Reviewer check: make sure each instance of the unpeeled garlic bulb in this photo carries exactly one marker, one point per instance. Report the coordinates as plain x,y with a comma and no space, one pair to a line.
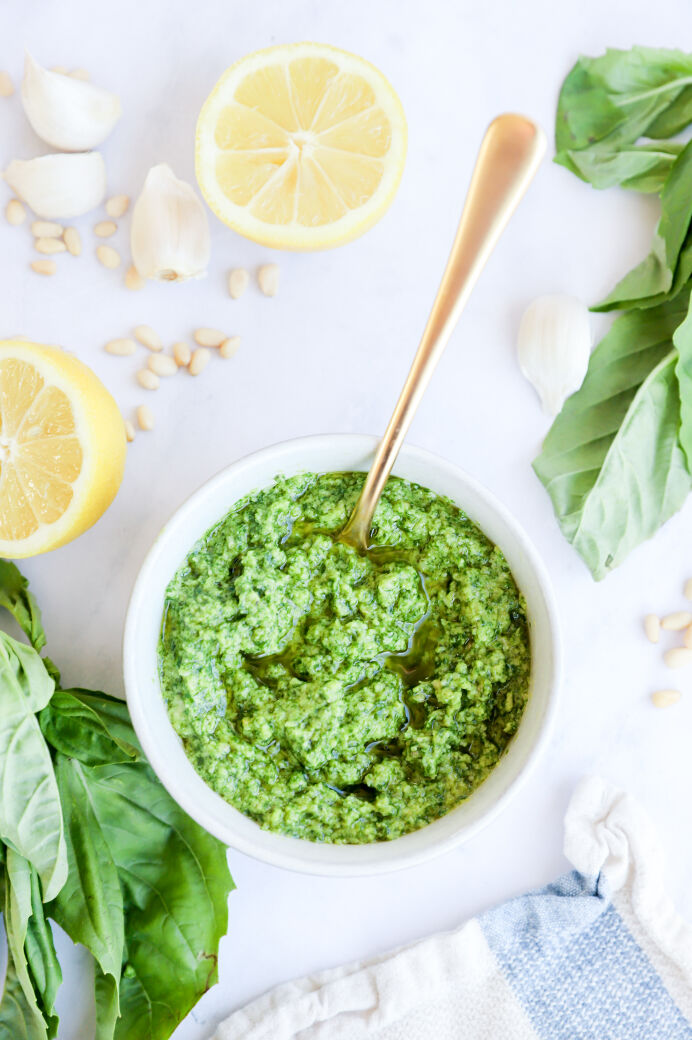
67,113
59,186
169,234
554,345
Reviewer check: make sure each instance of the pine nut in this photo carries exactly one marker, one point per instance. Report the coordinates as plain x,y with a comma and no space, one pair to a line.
678,657
148,380
268,279
108,256
121,347
129,431
162,364
182,354
238,281
105,228
209,337
61,70
229,347
145,417
688,589
133,279
677,621
82,74
50,245
688,638
652,627
46,229
146,335
199,361
6,85
15,212
117,206
73,241
43,266
665,698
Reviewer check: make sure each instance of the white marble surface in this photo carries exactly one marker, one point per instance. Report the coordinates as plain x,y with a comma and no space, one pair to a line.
329,353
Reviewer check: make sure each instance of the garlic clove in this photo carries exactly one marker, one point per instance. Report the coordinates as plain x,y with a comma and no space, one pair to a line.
553,346
169,233
67,113
59,186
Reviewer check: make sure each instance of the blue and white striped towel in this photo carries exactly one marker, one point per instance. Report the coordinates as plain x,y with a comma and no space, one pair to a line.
599,955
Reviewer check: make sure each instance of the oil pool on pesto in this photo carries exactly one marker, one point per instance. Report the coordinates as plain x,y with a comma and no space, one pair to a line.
335,696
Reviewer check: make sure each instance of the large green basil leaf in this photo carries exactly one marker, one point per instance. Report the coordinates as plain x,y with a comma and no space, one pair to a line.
683,342
175,882
612,461
611,101
669,263
18,1018
42,958
16,597
90,727
642,168
30,813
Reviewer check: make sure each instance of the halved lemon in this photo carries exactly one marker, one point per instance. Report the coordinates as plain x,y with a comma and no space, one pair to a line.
62,448
301,146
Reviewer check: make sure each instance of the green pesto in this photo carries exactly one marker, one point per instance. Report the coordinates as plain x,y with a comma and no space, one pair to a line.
341,697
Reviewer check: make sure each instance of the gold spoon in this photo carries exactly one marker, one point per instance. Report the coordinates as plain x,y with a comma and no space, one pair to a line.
509,156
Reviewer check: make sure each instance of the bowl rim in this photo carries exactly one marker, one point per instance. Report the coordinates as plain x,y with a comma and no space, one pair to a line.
281,850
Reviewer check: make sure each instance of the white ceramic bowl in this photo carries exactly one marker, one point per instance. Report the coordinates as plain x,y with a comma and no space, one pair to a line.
163,746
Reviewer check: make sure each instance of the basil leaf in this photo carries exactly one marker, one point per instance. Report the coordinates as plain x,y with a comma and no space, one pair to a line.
18,1019
175,884
90,905
683,342
79,724
612,462
15,597
620,97
30,812
42,958
642,168
670,258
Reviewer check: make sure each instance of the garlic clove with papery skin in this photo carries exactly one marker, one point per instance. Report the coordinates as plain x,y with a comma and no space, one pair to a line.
67,113
553,346
59,186
169,233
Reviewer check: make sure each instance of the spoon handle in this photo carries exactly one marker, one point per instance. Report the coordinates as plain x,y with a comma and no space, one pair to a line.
509,156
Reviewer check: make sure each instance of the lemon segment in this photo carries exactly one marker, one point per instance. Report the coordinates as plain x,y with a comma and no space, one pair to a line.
301,146
62,448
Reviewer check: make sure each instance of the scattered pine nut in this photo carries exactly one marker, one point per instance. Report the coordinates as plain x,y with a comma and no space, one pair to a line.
677,621
199,361
73,241
687,640
46,229
6,85
209,337
688,589
61,70
268,279
82,74
15,212
44,266
133,279
147,336
105,228
162,364
145,417
117,206
665,698
182,354
678,657
121,347
129,431
148,380
108,256
238,281
229,347
652,627
50,245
